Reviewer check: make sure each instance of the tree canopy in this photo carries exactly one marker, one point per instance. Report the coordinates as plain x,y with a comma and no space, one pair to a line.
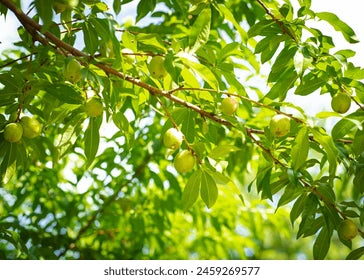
164,136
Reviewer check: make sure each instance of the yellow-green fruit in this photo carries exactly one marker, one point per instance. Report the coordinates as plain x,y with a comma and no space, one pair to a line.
340,103
347,230
156,68
72,71
94,107
229,106
72,3
172,138
13,132
31,127
280,125
184,161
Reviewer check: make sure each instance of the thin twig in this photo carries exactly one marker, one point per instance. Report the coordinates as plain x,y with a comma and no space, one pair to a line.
15,60
281,25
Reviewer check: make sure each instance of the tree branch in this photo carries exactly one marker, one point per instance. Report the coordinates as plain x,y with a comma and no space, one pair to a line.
259,104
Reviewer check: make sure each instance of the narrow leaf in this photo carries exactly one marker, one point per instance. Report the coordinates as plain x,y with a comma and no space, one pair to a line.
200,30
339,25
208,189
329,147
300,148
322,244
92,139
190,192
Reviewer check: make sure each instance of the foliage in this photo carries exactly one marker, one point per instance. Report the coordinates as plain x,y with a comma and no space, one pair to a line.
103,186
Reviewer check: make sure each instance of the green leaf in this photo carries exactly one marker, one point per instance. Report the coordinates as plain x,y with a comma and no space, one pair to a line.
309,84
322,244
230,17
270,48
342,128
222,151
191,191
200,30
221,179
308,214
305,3
283,62
290,193
188,125
90,38
359,179
263,178
264,28
281,87
123,124
300,148
356,254
117,6
327,192
339,25
153,40
298,207
8,165
66,93
44,9
228,50
329,147
203,71
92,139
208,190
358,142
144,7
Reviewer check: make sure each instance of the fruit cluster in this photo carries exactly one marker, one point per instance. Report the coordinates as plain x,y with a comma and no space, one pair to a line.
184,160
27,127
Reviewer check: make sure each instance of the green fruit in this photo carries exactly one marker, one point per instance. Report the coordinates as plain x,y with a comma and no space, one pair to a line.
31,127
229,106
184,161
172,138
340,103
347,230
94,107
13,132
60,6
280,125
72,71
156,68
